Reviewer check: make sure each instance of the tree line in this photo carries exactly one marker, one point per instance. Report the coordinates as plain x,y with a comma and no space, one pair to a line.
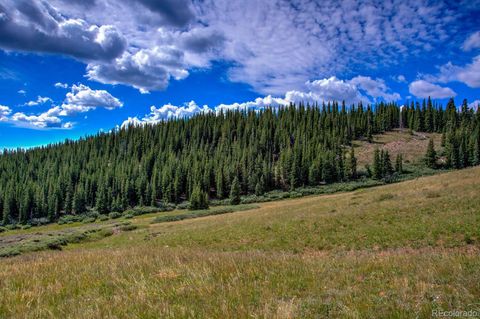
218,156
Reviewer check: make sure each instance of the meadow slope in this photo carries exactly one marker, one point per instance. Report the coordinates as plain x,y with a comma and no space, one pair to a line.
396,251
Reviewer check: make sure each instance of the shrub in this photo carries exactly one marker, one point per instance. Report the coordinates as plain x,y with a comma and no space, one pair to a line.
39,221
105,232
114,215
89,220
128,227
27,226
103,218
128,216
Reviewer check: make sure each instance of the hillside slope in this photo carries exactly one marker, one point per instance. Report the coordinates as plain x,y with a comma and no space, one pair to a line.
396,251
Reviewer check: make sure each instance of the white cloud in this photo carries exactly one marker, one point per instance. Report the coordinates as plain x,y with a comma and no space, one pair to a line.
468,74
167,111
39,100
60,85
401,79
83,99
323,90
283,45
4,112
472,42
424,89
48,119
149,69
22,92
474,105
37,26
375,88
257,104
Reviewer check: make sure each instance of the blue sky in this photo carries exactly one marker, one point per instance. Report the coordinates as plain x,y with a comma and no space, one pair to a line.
73,68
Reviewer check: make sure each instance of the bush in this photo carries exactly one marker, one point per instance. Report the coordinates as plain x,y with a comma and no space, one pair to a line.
12,227
114,215
2,229
27,226
128,216
105,232
89,220
39,221
128,227
103,218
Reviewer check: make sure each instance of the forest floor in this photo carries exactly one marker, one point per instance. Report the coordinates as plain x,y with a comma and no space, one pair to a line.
403,250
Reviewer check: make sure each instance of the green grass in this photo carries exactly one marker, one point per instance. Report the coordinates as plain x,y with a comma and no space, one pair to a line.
201,213
393,251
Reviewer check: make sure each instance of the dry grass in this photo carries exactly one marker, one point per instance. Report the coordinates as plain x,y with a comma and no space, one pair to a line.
388,252
412,147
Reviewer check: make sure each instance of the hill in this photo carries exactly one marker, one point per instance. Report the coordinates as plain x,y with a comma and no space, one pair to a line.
395,251
215,157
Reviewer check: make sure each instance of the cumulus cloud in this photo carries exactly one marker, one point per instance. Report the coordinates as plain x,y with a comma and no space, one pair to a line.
472,42
80,99
468,74
23,92
4,112
281,46
322,90
60,85
474,105
39,100
176,13
278,52
424,89
32,25
166,112
146,70
45,120
401,79
83,99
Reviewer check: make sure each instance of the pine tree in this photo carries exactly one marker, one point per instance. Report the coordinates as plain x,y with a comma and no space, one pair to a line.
352,165
102,200
235,192
387,164
78,205
377,170
198,199
260,187
431,155
399,164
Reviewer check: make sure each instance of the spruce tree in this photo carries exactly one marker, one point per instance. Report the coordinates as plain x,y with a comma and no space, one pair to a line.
235,192
377,170
399,164
431,155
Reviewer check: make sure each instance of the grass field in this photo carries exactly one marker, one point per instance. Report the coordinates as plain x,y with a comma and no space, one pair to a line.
396,251
411,145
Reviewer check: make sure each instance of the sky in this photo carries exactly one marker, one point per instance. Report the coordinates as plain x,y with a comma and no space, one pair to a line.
71,68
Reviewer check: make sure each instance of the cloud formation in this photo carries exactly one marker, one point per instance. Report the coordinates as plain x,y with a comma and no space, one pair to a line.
424,89
32,25
322,90
39,100
80,99
4,112
149,69
472,42
83,99
60,85
283,44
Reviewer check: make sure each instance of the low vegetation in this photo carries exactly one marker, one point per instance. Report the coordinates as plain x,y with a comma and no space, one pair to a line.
395,251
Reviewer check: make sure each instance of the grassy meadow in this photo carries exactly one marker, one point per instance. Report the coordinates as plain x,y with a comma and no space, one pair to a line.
394,251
